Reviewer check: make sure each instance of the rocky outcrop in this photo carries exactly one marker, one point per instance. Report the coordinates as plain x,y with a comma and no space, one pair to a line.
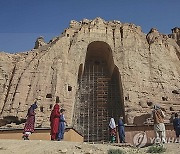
148,66
176,34
39,42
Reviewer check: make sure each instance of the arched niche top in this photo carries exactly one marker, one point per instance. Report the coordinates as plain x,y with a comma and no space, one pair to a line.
100,51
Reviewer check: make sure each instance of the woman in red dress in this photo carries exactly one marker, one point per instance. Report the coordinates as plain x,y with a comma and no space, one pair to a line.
54,120
29,125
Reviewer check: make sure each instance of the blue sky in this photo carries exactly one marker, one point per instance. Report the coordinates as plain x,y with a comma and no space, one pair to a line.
22,21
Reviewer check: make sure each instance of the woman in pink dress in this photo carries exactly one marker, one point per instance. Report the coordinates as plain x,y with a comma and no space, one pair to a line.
30,121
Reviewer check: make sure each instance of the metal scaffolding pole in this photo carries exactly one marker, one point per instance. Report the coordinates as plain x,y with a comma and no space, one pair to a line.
98,101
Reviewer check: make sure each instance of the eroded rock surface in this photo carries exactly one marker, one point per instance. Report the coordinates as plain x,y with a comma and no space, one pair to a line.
148,66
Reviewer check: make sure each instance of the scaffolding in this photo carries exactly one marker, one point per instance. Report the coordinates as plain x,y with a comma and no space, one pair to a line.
98,101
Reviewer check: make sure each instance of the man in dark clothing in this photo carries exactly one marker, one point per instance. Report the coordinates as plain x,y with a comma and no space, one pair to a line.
121,130
176,124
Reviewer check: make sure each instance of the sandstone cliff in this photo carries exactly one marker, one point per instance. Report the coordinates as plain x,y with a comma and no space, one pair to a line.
148,67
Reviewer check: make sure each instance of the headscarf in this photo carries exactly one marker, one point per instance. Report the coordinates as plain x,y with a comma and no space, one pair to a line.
56,107
34,106
112,124
156,107
55,111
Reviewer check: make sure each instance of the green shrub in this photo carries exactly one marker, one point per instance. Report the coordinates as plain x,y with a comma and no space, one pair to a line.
115,151
156,149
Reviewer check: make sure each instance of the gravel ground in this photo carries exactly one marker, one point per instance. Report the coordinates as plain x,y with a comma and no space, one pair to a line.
62,147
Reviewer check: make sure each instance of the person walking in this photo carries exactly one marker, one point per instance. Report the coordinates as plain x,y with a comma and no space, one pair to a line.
112,127
159,127
62,125
54,122
176,125
30,121
121,130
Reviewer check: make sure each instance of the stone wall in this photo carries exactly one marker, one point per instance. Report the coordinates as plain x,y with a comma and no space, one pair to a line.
148,66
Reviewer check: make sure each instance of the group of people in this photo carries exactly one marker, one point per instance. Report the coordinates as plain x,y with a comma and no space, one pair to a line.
57,123
121,131
159,127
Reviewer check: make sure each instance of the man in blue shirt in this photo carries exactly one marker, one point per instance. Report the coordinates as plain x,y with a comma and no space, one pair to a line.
121,130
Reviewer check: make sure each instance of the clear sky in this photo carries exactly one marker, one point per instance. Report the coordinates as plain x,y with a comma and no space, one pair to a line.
22,21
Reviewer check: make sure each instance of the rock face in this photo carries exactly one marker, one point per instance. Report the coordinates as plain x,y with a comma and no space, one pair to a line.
146,68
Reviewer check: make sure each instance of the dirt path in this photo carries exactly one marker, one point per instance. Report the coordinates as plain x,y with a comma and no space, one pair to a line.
54,147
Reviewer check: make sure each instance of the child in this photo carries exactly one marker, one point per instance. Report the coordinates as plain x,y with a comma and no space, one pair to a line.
62,123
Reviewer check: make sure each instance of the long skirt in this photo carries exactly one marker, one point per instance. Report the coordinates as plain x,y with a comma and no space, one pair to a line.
61,131
112,135
54,128
29,125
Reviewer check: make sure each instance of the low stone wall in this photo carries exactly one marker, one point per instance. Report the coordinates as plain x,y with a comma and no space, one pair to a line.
40,134
144,135
135,135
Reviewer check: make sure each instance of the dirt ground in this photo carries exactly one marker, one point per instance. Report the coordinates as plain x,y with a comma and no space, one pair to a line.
62,147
